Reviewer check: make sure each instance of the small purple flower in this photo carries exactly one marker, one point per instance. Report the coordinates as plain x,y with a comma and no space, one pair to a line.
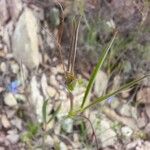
13,86
110,99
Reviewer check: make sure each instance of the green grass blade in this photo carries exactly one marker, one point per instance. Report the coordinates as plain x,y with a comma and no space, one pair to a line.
95,71
126,86
54,114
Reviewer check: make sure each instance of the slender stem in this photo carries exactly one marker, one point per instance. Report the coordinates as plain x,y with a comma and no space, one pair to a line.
73,49
94,134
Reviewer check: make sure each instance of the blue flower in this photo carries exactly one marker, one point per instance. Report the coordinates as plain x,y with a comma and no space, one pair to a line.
110,99
13,86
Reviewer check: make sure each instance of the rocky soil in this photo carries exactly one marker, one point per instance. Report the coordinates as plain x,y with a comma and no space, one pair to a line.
31,74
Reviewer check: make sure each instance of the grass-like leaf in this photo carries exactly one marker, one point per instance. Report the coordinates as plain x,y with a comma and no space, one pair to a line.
126,86
54,114
96,69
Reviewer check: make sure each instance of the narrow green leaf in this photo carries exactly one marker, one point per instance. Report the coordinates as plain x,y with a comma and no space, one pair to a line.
54,114
44,110
126,86
96,69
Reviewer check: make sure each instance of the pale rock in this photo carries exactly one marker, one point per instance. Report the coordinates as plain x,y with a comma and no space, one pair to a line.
59,78
106,134
143,95
4,15
2,137
3,67
54,70
147,108
5,122
10,100
146,145
2,148
67,125
15,8
116,82
25,40
57,129
62,96
126,131
44,85
103,130
125,110
63,146
147,128
101,83
115,103
10,113
53,81
36,98
132,145
14,67
60,69
23,74
142,121
125,93
7,33
127,67
17,122
12,136
49,140
51,91
134,112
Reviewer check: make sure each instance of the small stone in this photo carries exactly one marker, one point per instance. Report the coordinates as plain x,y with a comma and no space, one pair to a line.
2,148
126,93
17,122
10,113
146,145
5,122
134,113
12,136
126,131
3,67
63,146
53,81
4,15
127,67
10,100
67,125
108,135
147,128
49,140
147,108
2,137
44,85
36,98
14,67
142,121
116,82
125,110
51,91
100,83
115,103
15,8
143,95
